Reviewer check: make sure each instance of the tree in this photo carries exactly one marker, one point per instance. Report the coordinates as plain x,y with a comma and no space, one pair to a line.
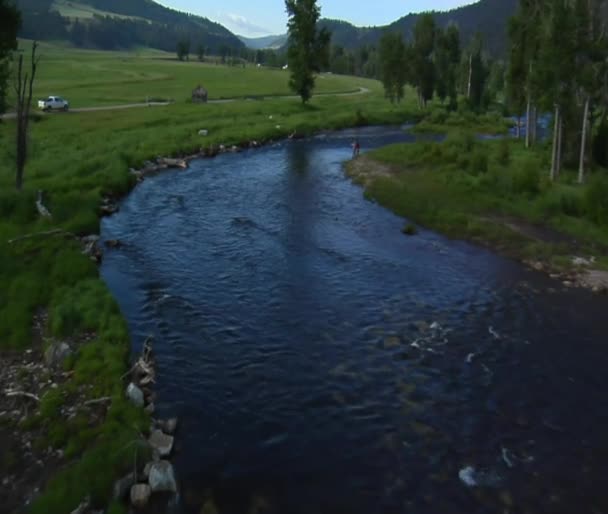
200,52
392,65
10,21
478,74
183,49
308,47
422,50
24,88
447,57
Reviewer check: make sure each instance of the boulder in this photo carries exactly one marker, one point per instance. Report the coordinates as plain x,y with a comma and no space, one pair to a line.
123,486
140,495
150,408
161,442
56,354
175,163
162,477
203,132
135,394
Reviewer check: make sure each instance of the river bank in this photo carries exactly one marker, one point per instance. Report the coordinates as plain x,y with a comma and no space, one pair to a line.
492,193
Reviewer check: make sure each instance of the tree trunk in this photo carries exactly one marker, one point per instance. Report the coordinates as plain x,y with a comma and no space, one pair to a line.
581,162
528,122
518,128
470,84
559,145
554,149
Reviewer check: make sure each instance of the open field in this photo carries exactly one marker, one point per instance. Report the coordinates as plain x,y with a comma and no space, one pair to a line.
79,158
89,78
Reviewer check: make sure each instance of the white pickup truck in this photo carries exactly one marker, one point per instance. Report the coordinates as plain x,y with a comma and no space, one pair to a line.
53,103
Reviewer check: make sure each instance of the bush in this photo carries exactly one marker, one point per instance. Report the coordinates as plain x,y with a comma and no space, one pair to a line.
596,200
409,229
526,180
479,163
504,152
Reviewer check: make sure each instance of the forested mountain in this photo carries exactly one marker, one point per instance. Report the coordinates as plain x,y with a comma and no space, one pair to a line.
488,17
115,24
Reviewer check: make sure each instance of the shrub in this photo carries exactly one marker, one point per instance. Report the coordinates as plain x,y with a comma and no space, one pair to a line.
504,152
596,200
526,179
409,229
479,163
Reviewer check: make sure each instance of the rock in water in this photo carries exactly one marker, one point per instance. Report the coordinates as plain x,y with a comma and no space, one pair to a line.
161,442
162,477
135,394
56,353
140,495
169,426
122,486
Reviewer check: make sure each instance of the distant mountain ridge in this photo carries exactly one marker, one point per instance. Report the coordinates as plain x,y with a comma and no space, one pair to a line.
114,24
265,42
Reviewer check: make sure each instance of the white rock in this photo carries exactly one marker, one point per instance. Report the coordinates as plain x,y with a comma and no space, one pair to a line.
467,476
135,394
203,132
140,495
162,477
56,353
161,442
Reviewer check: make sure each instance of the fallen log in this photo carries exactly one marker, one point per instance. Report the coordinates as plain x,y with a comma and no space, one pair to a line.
47,233
10,393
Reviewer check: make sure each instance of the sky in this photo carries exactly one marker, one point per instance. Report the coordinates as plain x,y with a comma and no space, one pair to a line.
254,18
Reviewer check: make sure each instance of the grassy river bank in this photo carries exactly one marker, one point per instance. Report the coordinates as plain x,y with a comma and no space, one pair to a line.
496,193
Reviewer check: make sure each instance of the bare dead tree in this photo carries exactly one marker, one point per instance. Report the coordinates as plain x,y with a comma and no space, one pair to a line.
24,86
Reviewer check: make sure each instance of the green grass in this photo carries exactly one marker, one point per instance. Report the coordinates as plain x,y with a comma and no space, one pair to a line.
77,158
476,190
89,78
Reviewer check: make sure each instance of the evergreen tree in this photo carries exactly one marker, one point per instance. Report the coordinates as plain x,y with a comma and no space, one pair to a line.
308,47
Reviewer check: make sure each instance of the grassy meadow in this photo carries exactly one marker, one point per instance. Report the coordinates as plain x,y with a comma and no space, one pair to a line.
77,159
90,78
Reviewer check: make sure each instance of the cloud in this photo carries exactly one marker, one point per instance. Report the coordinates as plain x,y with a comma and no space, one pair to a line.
241,25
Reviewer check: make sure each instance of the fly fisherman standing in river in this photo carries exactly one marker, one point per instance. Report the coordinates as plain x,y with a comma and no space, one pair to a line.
356,148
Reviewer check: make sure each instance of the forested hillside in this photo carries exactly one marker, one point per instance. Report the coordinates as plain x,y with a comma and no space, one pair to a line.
121,24
487,17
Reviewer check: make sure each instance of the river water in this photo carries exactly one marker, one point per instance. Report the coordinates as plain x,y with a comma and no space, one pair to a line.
322,362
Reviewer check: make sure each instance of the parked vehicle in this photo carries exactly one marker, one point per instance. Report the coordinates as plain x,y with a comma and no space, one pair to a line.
54,103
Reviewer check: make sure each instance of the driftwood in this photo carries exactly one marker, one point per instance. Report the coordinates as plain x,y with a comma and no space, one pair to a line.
47,233
9,393
98,400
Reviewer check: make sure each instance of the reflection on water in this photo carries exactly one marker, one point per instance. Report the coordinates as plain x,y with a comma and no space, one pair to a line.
321,362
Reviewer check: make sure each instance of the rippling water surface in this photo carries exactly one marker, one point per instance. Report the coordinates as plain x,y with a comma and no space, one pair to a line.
321,362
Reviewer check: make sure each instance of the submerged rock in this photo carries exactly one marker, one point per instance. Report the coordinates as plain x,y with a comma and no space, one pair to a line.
162,477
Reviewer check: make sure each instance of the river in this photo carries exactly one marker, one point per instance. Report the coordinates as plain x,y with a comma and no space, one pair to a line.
322,362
